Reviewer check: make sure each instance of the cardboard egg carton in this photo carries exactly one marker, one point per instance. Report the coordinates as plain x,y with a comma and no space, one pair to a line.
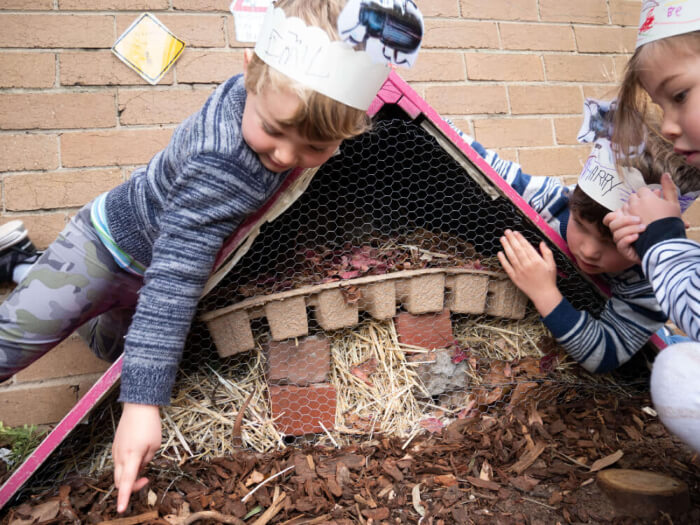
462,291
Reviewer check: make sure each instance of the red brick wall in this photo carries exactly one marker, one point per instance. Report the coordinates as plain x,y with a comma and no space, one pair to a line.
74,120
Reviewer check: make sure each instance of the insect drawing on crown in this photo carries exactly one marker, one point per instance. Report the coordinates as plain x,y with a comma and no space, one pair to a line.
396,25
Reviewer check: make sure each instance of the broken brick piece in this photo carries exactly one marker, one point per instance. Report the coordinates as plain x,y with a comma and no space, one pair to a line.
299,361
299,410
426,331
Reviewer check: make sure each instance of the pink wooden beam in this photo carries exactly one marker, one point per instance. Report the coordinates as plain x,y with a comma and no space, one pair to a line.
81,409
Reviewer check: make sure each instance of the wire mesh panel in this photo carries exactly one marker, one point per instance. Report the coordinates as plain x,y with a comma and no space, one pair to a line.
374,305
351,313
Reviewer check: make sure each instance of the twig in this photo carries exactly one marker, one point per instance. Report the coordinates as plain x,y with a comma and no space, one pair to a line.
410,438
237,438
328,434
277,504
104,498
245,498
179,435
539,503
98,489
301,520
212,515
132,520
574,461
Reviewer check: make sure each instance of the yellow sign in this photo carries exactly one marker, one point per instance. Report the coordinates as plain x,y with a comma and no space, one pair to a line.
148,47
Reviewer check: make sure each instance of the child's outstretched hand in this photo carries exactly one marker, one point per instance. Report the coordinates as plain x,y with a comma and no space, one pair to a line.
137,440
534,273
649,206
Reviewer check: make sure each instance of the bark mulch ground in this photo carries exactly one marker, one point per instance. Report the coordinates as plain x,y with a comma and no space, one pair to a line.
530,465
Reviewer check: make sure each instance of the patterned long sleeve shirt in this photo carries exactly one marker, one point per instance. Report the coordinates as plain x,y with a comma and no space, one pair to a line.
629,317
173,216
672,264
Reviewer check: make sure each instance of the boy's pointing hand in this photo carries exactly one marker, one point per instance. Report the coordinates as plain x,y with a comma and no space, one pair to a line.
137,440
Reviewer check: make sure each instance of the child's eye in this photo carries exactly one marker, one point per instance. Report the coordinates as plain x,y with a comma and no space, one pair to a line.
270,131
678,98
318,149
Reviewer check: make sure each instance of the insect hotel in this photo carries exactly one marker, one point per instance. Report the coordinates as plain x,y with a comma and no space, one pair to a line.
364,299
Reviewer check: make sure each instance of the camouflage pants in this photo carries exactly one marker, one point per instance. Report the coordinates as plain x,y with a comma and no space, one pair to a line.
75,285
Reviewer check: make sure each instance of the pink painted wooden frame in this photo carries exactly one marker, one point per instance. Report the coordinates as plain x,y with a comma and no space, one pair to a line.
394,91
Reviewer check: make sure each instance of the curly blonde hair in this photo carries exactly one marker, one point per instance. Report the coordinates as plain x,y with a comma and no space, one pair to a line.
319,118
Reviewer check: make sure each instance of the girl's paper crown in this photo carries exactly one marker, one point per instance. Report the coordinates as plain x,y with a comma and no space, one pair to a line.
663,18
350,71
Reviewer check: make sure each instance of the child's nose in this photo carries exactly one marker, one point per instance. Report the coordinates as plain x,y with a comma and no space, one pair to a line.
669,126
285,154
591,250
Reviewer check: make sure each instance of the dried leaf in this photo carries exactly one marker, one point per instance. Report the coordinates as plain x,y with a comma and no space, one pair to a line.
254,478
533,416
467,411
607,461
482,483
446,480
486,471
43,512
342,474
524,483
432,425
365,369
521,391
549,362
415,497
459,355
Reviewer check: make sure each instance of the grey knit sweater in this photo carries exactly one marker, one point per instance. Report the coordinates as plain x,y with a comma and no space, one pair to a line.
173,216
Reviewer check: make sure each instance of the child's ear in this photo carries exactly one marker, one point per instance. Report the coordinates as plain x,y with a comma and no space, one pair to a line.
247,55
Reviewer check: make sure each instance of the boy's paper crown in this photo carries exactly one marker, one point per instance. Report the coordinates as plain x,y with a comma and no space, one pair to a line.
663,18
601,181
599,178
336,68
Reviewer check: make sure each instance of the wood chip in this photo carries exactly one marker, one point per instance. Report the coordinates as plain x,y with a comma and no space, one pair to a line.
528,458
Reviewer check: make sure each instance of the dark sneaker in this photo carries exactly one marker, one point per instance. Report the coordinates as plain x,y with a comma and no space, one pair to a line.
15,248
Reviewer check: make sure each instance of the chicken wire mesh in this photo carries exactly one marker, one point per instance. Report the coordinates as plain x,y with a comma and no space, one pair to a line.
373,306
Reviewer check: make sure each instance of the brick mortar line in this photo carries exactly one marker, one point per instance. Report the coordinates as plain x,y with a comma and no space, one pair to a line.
113,12
54,381
425,50
60,171
194,87
63,131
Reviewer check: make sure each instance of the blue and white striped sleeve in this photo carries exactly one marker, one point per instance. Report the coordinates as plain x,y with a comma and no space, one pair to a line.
546,195
673,267
629,318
